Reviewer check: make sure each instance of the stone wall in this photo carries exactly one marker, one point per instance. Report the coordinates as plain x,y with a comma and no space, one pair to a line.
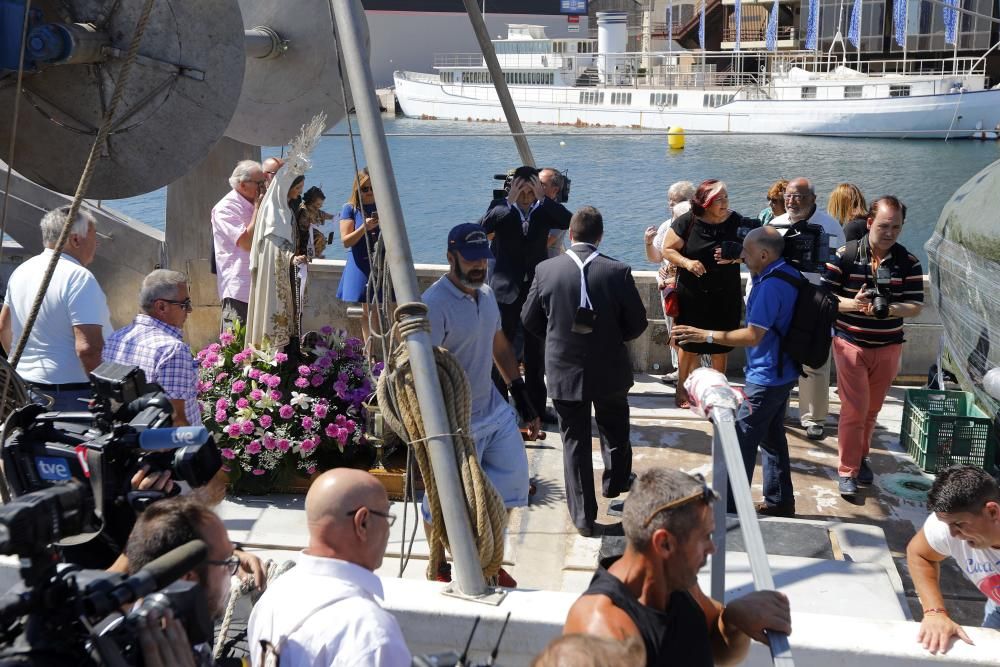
649,352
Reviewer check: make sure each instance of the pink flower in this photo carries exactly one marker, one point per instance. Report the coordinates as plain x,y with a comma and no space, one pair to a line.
265,421
272,381
253,447
214,347
269,442
256,395
258,472
254,374
283,445
349,425
311,470
239,386
307,445
307,423
331,430
304,370
233,430
316,380
239,358
221,404
324,362
242,403
301,383
203,386
226,337
286,411
220,377
320,410
275,395
247,427
228,453
221,416
280,357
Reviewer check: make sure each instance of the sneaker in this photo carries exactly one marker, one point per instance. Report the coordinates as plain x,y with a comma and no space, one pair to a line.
786,510
815,432
848,486
865,474
444,573
505,580
669,378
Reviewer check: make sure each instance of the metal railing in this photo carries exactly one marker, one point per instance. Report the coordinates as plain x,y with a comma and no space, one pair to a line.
755,34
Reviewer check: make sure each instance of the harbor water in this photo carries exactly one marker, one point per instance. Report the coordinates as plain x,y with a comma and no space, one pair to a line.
447,177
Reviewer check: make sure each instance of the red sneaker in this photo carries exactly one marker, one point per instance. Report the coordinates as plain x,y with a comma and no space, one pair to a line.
444,573
505,580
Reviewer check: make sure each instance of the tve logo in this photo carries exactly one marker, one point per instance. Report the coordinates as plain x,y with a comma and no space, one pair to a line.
53,469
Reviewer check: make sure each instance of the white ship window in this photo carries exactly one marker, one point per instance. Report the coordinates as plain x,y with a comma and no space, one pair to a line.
853,92
808,92
899,91
624,99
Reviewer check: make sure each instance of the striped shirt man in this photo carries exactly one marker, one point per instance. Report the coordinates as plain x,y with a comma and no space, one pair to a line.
854,267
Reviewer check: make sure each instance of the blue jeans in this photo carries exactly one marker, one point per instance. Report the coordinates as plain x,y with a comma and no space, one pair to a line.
760,424
71,400
991,615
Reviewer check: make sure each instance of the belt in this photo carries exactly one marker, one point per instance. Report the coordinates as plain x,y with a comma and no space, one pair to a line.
69,386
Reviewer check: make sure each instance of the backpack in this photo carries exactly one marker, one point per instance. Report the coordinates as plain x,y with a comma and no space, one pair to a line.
810,333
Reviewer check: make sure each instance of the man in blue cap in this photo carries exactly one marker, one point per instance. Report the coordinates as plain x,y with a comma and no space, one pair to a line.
465,320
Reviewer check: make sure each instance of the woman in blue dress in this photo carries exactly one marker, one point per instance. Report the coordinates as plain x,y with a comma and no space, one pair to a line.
358,220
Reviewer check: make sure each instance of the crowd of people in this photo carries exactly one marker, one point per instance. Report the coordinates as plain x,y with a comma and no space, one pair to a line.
534,312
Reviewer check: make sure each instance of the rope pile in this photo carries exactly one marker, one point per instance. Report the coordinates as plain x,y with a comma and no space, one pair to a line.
246,587
485,505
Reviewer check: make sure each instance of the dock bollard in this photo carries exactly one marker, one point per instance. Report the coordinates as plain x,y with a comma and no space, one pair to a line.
675,138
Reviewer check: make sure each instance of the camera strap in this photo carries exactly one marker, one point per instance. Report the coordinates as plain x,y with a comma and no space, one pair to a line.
584,296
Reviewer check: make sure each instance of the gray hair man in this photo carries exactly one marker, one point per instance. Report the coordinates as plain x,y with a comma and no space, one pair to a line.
232,235
801,210
154,342
552,182
324,611
65,344
651,591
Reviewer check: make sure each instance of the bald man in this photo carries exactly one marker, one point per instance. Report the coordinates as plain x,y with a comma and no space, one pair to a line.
324,611
270,167
770,373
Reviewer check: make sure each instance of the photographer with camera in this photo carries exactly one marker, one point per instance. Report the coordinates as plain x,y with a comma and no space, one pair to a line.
520,225
801,217
878,284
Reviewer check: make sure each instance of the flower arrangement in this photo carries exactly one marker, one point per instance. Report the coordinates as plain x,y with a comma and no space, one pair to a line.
273,414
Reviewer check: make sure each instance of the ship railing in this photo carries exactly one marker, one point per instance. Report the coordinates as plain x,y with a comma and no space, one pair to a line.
757,34
821,63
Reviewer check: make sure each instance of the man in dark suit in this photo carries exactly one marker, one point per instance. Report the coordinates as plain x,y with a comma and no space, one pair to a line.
520,226
586,306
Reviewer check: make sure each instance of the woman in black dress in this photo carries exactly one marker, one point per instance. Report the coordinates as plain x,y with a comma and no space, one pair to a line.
708,286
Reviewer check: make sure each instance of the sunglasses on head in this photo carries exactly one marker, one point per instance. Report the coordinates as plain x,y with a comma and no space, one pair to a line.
704,494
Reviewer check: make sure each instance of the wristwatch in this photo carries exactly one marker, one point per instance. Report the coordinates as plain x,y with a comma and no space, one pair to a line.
710,338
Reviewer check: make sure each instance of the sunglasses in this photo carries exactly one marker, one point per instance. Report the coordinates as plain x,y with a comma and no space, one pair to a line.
705,494
185,304
390,518
232,564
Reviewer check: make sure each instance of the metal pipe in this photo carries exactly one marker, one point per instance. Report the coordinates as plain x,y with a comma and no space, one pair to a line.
725,428
348,16
719,483
264,43
499,82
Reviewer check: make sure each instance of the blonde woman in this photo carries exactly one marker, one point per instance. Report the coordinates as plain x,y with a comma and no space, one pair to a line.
847,206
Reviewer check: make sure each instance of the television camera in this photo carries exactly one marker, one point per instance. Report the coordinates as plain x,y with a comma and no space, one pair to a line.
508,180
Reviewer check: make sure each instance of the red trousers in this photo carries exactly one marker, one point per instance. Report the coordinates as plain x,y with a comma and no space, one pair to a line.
864,376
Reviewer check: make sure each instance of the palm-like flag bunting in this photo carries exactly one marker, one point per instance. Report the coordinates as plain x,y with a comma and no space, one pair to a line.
670,24
854,31
701,26
899,21
951,22
812,27
772,28
738,19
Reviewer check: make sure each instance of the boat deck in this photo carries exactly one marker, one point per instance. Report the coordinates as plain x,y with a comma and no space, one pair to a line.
835,557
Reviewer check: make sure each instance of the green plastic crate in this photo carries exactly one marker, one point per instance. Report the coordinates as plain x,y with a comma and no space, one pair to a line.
943,428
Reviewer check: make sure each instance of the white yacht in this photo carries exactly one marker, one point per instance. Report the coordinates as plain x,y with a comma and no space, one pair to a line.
593,82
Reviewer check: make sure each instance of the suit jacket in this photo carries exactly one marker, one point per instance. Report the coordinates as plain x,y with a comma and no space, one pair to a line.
585,366
518,254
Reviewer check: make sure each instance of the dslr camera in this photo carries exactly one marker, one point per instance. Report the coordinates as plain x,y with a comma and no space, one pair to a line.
880,294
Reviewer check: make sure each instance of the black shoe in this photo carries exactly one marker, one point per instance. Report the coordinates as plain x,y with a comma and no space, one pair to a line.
549,417
615,494
815,432
865,474
786,510
586,531
848,487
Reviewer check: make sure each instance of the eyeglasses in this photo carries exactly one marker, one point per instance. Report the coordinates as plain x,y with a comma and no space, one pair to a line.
389,518
185,304
232,563
704,494
796,197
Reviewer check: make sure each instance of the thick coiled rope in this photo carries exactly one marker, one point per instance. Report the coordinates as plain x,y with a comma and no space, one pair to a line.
486,508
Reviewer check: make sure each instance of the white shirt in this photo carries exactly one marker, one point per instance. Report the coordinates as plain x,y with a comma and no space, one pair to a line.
980,566
342,624
73,298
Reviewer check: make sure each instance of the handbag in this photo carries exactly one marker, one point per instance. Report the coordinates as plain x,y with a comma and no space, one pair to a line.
671,297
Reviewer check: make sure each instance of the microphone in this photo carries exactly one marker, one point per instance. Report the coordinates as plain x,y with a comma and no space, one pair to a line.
157,574
172,438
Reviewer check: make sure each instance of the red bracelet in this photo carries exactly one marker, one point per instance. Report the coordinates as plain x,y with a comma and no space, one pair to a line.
936,610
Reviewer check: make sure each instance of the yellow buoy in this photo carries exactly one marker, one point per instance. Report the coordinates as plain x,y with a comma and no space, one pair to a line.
675,138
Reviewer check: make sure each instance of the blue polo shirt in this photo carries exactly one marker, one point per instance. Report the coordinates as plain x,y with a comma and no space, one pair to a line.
465,325
770,306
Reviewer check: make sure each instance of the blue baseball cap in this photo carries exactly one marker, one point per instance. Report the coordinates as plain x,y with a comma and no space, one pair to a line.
470,241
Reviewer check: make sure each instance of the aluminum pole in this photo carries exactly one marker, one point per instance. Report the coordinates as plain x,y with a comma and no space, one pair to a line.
349,20
499,82
725,428
719,482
